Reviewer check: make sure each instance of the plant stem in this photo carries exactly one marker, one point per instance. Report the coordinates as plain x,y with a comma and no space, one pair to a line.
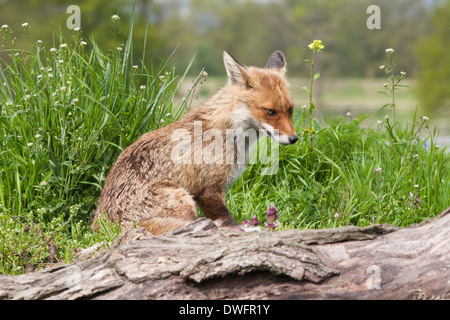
311,99
393,100
393,84
311,90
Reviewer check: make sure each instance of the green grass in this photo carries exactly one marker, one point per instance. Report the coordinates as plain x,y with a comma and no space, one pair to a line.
339,182
67,110
67,113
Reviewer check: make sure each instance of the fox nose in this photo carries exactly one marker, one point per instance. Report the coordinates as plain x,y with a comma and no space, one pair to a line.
293,139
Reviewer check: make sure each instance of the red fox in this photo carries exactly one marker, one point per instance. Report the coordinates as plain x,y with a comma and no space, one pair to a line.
152,186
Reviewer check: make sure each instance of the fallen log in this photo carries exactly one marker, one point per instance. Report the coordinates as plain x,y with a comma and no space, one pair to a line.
203,262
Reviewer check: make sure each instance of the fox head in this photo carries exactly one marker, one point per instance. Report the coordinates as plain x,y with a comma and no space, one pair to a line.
263,98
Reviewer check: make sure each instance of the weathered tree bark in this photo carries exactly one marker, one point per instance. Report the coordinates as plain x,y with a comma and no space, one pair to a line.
203,262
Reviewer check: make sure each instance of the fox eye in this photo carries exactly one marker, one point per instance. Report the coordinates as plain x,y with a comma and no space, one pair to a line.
271,112
291,111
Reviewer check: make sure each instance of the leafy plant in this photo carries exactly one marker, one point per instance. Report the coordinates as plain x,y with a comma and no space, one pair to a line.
66,112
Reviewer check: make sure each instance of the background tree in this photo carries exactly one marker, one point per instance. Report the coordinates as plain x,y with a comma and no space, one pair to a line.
433,54
252,30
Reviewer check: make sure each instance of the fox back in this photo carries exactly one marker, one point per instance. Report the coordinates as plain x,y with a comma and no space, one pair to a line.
159,180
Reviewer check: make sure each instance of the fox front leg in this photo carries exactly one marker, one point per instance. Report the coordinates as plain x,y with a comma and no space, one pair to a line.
215,208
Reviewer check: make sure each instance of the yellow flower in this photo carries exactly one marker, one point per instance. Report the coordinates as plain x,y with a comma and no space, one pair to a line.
316,45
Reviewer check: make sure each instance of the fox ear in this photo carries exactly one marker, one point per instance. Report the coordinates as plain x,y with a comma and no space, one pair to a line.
277,61
237,72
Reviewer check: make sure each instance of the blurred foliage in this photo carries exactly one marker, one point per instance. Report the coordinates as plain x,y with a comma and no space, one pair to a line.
252,29
433,53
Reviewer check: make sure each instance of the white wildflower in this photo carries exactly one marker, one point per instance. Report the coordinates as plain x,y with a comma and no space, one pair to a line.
378,169
64,45
115,17
382,67
389,51
83,43
143,87
30,144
